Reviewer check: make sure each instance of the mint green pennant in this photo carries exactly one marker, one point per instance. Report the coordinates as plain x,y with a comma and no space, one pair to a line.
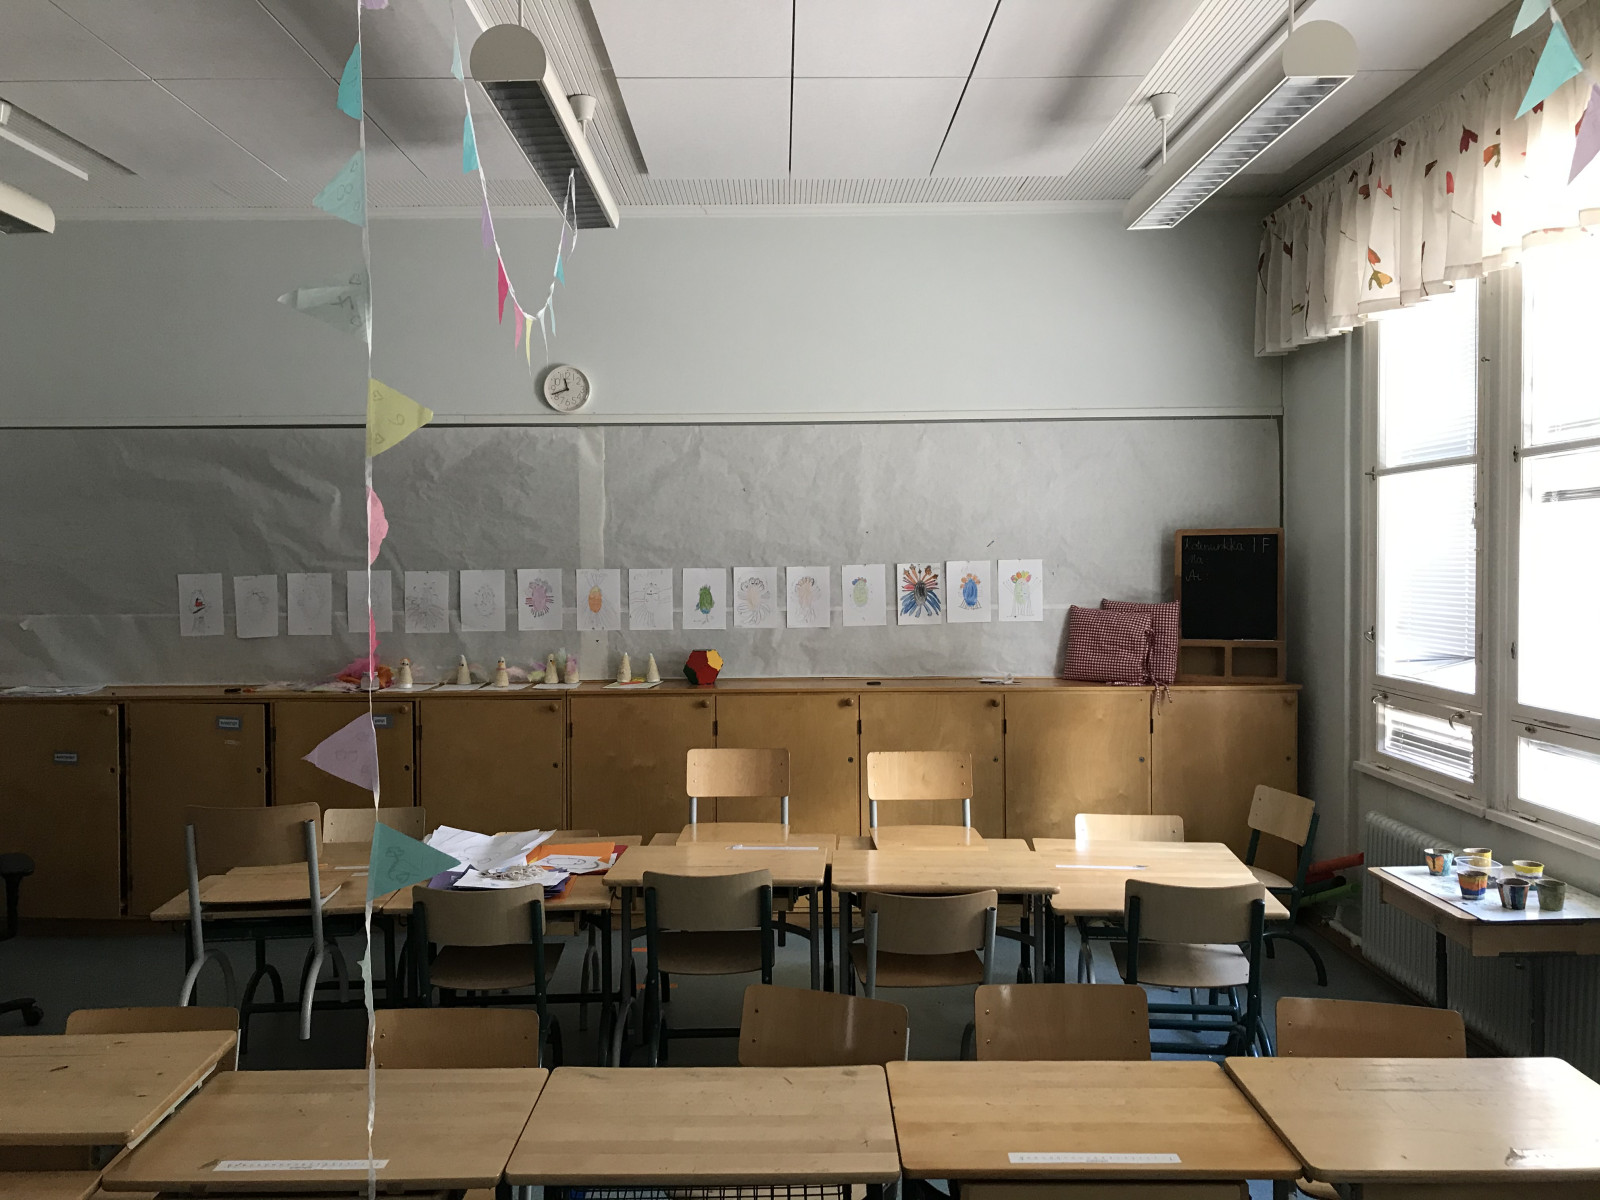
1557,64
399,861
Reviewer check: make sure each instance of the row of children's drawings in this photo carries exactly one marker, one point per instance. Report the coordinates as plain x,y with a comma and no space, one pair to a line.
958,591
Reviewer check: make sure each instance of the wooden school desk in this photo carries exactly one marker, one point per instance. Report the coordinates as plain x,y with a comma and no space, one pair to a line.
48,1185
1488,930
1434,1128
709,1127
908,837
93,1091
1079,1121
307,1131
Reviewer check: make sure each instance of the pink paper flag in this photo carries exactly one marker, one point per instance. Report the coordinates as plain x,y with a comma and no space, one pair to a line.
350,754
505,290
1588,135
377,526
517,341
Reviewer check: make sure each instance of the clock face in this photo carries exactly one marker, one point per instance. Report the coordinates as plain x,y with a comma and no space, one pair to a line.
566,389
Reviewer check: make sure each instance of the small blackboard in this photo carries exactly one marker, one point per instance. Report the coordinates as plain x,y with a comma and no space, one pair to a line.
1230,584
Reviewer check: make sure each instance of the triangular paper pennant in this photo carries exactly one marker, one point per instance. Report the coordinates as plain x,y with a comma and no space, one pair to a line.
503,284
1588,144
561,273
1530,12
551,305
350,85
377,526
527,339
350,754
343,306
543,336
391,417
455,57
488,227
469,147
516,339
346,194
1556,65
399,861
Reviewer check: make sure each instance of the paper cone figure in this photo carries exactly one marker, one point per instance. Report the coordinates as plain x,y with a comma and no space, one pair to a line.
350,754
399,861
624,669
403,679
502,677
652,673
463,673
552,673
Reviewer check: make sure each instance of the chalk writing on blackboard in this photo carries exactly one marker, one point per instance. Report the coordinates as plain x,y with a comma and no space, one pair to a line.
1230,586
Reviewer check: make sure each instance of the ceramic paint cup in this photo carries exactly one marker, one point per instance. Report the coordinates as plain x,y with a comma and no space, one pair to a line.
1552,894
1527,868
1478,856
1439,860
1514,894
1473,884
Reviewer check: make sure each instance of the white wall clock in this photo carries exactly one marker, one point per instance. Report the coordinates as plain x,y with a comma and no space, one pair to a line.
566,389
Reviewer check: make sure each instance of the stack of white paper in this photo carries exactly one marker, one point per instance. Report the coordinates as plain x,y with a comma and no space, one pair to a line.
516,877
487,853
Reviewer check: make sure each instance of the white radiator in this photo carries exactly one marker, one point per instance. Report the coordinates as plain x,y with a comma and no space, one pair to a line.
1490,993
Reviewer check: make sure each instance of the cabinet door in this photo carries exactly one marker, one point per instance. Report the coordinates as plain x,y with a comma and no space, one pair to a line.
1212,746
182,753
630,757
1072,751
60,800
819,731
299,725
493,764
969,721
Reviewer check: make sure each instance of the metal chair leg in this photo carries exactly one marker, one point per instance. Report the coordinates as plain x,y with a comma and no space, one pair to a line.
1289,935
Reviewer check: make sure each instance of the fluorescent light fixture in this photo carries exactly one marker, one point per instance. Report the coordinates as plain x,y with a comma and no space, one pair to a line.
1270,99
510,63
32,147
21,213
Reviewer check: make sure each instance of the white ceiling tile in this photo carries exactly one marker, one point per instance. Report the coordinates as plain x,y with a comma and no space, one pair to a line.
408,40
293,128
1327,119
1080,37
710,128
1411,35
196,39
423,118
39,41
852,128
888,38
1030,126
696,38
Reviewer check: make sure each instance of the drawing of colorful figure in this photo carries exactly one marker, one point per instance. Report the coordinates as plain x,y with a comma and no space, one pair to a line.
969,592
597,599
705,603
919,591
541,597
808,595
1021,593
860,593
755,600
199,612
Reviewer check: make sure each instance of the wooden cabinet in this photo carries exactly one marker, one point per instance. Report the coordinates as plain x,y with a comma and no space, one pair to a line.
492,764
939,720
1075,750
819,731
1212,746
182,753
629,756
299,725
60,795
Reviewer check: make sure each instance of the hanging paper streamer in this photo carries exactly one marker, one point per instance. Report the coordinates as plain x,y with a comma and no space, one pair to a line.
455,57
1557,64
488,227
350,754
391,417
504,287
469,147
377,526
350,85
1530,12
1588,144
346,194
399,861
345,306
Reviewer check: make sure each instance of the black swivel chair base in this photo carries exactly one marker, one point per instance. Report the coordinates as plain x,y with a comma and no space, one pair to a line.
32,1014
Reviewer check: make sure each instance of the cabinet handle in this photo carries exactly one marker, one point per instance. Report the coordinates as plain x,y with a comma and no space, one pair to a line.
109,712
848,702
994,702
552,708
702,704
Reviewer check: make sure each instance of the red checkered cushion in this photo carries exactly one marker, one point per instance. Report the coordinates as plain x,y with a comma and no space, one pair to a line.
1163,637
1107,645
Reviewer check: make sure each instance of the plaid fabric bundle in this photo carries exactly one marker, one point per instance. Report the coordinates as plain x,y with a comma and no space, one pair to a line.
1164,632
1108,645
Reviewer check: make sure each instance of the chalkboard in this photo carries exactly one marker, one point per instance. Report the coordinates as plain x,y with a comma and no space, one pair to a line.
1229,584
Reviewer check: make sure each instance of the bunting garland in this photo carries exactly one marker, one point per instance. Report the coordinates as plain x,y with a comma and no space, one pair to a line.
1559,62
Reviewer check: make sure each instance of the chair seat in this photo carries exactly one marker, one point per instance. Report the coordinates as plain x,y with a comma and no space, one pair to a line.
1165,964
921,970
720,952
1317,1191
1270,879
491,968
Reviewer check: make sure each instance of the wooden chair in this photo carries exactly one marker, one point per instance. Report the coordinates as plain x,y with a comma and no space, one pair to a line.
797,1027
347,825
157,1019
486,941
927,941
919,775
1190,937
1062,1022
1127,827
1104,1191
1292,818
455,1039
738,775
701,925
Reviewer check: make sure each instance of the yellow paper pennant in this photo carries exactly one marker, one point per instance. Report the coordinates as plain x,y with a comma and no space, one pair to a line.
527,339
391,417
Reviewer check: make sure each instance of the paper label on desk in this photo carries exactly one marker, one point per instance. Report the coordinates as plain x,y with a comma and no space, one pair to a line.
1101,867
1078,1157
741,846
300,1164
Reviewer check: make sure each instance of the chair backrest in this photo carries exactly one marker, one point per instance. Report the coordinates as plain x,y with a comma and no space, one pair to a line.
341,825
225,838
919,775
1062,1021
931,924
455,1039
705,903
1281,814
502,917
1127,827
162,1019
1171,912
1310,1028
730,772
797,1027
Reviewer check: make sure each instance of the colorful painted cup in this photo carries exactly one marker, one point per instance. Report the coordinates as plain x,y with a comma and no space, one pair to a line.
1552,894
1473,883
1478,856
1439,860
1528,868
1514,894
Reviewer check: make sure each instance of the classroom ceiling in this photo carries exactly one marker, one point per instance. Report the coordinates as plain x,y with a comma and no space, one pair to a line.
195,105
